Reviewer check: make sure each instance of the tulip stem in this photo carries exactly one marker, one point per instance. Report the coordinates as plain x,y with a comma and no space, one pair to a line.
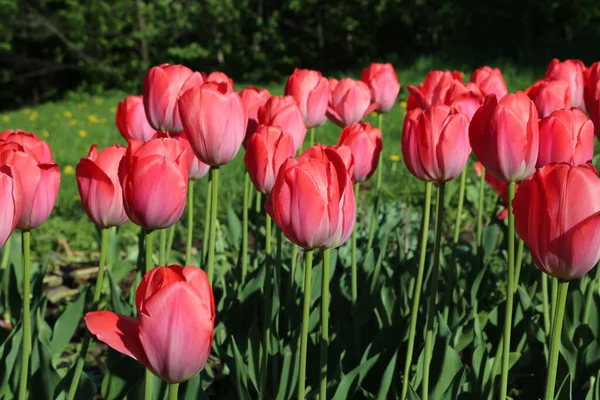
480,207
257,213
354,270
26,346
149,385
377,188
190,231
210,268
6,253
6,277
206,221
589,295
553,299
162,250
305,321
324,322
414,314
173,391
518,262
246,200
509,293
545,304
267,313
431,314
149,248
170,237
563,288
312,136
96,300
293,263
461,200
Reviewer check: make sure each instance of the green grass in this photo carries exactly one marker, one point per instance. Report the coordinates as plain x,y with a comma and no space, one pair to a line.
71,126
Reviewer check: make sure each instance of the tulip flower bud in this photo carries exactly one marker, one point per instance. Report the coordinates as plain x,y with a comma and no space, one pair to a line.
571,71
350,102
253,99
220,77
11,201
285,113
131,119
592,95
432,91
549,95
311,91
466,98
30,141
383,83
365,144
490,81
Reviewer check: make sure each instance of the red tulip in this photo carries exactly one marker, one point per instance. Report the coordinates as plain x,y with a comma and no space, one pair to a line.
29,140
252,99
592,95
384,85
285,113
571,71
11,201
566,136
345,153
557,213
365,144
490,81
173,334
162,87
350,102
466,98
266,151
154,178
311,91
432,91
196,168
332,85
219,77
313,199
549,95
215,122
39,181
499,187
131,119
99,186
410,146
504,136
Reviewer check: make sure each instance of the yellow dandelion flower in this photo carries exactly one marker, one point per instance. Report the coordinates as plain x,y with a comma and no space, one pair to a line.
27,111
5,118
82,133
373,114
403,104
462,76
67,114
46,134
68,170
73,122
77,197
33,116
113,109
395,157
93,119
98,101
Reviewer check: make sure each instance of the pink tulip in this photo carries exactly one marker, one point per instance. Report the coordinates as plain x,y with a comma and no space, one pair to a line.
557,213
504,136
490,81
266,151
466,98
219,77
311,91
253,99
350,102
571,71
345,153
173,334
383,83
285,113
410,146
566,136
29,140
365,144
154,178
196,168
592,95
432,91
11,201
99,186
549,95
163,85
39,181
313,199
131,119
215,122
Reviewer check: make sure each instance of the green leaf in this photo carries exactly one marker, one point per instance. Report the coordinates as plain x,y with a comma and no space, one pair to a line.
240,374
66,325
565,390
234,227
119,306
386,379
344,390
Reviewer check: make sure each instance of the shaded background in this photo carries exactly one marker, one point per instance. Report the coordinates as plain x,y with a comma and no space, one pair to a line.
50,47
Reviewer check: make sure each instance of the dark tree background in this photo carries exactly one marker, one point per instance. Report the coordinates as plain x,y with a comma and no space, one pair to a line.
48,47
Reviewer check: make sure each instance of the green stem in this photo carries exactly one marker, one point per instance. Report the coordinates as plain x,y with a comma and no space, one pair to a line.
26,344
563,288
169,246
173,391
210,268
431,314
277,293
190,224
379,163
257,214
509,293
545,304
246,200
461,200
293,263
305,321
96,300
354,270
162,250
480,207
149,250
6,253
312,136
206,221
268,294
589,295
518,262
148,385
377,189
324,322
414,314
6,278
553,299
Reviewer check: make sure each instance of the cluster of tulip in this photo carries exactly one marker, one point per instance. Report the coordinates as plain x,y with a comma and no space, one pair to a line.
540,139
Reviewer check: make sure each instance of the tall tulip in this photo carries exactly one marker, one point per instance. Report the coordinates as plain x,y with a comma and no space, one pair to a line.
10,201
285,113
490,81
571,71
350,102
173,334
566,136
549,95
432,91
253,99
311,91
466,97
162,87
383,83
365,145
131,119
410,149
99,186
30,141
592,95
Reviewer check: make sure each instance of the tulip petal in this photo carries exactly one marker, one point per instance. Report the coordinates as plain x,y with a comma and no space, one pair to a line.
118,331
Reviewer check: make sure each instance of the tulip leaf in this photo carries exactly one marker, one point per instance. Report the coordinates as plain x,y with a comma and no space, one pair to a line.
289,375
240,373
444,372
45,377
11,360
345,388
386,379
234,227
66,324
119,306
565,390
